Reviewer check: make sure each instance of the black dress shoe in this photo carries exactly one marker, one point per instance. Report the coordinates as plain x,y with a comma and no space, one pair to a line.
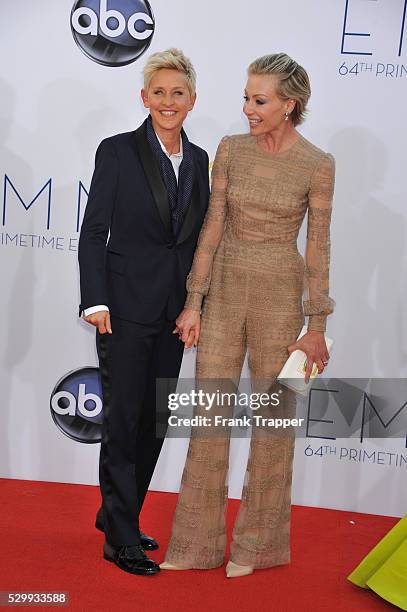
147,542
131,559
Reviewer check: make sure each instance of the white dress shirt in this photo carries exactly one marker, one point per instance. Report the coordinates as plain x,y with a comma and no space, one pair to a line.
175,159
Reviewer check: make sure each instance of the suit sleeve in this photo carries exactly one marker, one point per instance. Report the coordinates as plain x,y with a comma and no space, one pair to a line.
95,227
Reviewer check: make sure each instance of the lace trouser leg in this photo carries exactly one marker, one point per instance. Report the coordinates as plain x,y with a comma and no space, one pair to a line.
261,535
198,538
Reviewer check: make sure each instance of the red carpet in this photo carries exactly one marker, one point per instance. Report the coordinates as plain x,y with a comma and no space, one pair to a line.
49,544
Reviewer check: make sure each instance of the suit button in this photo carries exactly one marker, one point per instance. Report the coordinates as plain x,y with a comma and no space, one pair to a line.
170,246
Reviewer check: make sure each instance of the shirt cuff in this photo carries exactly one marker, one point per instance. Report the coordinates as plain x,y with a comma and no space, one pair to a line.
317,323
194,301
93,309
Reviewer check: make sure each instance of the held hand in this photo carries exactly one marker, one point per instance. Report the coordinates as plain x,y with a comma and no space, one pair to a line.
101,320
188,326
314,346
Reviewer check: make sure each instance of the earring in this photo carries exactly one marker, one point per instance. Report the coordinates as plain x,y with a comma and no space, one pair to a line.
286,115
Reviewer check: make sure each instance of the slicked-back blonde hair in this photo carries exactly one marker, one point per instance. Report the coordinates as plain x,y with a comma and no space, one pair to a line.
172,59
292,78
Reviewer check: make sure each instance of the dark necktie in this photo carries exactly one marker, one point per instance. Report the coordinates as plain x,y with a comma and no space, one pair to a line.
179,194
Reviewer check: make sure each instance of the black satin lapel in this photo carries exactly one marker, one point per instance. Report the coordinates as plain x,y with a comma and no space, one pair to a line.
153,175
192,212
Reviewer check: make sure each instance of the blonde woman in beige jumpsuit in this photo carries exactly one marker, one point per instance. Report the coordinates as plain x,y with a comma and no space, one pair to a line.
248,269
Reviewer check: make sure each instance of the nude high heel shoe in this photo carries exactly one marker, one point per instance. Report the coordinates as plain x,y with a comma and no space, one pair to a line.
233,570
169,566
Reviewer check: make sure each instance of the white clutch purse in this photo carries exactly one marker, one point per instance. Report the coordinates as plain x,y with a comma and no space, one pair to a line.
292,374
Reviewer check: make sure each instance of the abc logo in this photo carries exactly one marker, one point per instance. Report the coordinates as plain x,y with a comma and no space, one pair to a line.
113,35
76,405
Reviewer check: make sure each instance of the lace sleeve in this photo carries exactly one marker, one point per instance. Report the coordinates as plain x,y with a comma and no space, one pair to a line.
317,303
199,278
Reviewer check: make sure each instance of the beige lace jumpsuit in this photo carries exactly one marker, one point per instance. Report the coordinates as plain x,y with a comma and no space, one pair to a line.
248,269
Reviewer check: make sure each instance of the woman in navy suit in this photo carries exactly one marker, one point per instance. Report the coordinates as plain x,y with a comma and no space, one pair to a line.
147,201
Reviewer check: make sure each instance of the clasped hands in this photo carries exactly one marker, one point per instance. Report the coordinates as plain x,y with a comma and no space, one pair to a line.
188,326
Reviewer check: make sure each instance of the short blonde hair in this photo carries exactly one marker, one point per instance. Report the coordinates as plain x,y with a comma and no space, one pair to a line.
172,59
293,81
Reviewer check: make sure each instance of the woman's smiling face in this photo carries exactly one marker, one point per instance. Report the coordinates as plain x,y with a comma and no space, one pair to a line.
263,107
168,98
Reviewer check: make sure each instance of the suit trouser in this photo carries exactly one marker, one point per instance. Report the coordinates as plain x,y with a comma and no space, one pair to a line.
131,359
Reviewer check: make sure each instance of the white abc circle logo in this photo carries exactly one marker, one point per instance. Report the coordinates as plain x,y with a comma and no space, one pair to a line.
72,405
113,35
77,406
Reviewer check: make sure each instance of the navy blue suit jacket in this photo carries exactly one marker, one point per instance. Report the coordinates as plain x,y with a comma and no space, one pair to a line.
129,258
